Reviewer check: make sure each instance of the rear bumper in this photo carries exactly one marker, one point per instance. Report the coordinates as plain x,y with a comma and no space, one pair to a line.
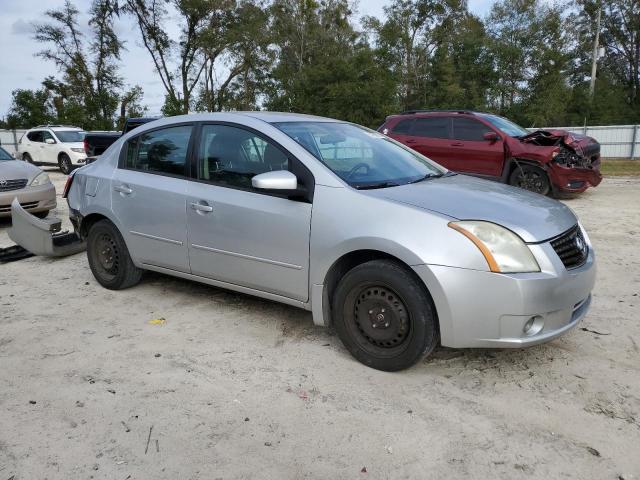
32,199
41,236
486,310
574,180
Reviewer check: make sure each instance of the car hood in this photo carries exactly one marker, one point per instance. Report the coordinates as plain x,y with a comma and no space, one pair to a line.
16,169
534,217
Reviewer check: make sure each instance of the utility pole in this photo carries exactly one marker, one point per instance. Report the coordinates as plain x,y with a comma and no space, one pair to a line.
594,61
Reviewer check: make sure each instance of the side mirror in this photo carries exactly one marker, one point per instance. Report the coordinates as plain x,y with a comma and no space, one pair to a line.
50,141
491,137
277,180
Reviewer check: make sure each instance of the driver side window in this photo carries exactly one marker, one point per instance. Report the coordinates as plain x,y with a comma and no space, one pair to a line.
231,156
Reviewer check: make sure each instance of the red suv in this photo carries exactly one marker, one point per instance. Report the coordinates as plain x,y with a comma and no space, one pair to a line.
489,146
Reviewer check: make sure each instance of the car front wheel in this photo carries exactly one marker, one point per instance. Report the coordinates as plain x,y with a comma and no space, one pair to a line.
530,178
384,316
64,162
109,257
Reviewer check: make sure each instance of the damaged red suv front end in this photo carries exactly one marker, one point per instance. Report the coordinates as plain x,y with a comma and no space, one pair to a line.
572,161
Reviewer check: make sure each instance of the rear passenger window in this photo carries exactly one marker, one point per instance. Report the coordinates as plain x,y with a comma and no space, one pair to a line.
402,127
469,129
162,151
35,136
431,127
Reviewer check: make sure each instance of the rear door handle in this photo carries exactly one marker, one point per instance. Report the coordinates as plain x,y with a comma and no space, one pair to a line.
123,189
201,207
457,144
410,141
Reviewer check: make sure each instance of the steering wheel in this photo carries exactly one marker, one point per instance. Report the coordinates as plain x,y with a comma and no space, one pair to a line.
358,167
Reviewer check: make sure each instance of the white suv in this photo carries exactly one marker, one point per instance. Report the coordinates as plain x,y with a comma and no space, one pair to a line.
53,145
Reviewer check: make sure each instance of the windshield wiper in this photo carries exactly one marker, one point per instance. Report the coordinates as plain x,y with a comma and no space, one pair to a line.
371,186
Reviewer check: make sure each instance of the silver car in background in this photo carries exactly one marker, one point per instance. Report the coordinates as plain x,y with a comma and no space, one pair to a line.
388,247
30,185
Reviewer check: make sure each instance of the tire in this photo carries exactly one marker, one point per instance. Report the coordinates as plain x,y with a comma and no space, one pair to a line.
27,158
109,258
42,214
530,178
64,162
384,315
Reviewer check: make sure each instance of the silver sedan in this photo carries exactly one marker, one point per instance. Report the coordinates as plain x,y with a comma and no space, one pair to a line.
391,249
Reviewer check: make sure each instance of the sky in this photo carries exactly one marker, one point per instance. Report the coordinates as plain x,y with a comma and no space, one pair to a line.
20,68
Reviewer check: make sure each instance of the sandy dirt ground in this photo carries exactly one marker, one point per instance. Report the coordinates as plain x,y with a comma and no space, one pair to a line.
234,387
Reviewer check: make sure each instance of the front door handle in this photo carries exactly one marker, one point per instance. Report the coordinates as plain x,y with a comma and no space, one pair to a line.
201,207
410,141
123,189
457,144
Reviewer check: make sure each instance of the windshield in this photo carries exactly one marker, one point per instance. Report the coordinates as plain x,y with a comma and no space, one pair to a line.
70,136
507,126
361,157
4,155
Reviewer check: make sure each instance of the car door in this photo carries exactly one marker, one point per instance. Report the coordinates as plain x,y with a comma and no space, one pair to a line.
241,235
32,145
473,153
149,196
48,151
430,137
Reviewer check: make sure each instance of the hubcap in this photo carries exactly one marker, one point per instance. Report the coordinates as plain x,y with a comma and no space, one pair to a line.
381,317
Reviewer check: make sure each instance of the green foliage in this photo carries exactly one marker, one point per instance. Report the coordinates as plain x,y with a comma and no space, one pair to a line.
29,108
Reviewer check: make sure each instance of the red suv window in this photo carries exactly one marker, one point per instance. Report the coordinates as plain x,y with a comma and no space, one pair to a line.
431,127
469,129
403,127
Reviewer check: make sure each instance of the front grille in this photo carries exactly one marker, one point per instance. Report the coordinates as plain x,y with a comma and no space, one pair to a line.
7,185
571,247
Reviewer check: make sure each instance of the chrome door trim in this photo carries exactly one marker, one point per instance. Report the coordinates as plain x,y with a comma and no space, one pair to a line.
153,237
247,257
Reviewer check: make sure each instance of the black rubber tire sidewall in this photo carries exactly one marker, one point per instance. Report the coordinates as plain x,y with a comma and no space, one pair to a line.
513,178
65,164
424,334
128,274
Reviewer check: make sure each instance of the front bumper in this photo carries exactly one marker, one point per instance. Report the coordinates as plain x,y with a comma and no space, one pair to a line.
491,310
78,158
32,199
574,180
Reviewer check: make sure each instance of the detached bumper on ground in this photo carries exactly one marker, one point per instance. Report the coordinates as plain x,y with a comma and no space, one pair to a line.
487,310
42,236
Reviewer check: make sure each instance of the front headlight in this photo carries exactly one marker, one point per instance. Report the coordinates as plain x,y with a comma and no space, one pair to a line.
41,179
78,150
504,250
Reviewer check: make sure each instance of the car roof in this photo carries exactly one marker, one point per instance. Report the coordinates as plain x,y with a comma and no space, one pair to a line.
269,117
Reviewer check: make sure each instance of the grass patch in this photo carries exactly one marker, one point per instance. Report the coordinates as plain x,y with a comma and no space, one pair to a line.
618,168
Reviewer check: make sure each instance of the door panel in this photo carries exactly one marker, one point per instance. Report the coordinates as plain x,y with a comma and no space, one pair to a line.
151,206
430,137
473,153
240,235
249,239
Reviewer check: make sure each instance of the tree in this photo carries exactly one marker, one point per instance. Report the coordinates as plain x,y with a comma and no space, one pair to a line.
89,74
30,108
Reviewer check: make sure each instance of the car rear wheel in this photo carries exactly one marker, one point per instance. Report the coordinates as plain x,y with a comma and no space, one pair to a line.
64,162
384,316
27,158
109,258
530,178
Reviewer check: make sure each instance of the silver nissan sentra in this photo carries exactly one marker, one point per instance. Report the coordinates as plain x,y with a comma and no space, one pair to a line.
385,245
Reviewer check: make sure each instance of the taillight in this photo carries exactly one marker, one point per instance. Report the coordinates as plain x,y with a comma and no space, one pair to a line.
67,185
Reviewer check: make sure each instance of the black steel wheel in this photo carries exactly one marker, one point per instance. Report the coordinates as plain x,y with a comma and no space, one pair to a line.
109,258
384,315
530,178
64,162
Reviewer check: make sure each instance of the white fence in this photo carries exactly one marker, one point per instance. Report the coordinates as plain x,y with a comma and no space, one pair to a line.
617,141
9,140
